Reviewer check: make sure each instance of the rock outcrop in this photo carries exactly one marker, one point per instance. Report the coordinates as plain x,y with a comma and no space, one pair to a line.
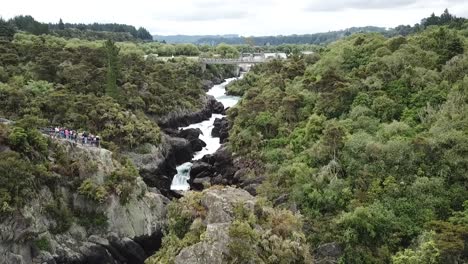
214,247
228,225
190,134
212,169
221,129
222,168
157,165
185,117
127,232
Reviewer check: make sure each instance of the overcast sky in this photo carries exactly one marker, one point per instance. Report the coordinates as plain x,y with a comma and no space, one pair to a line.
244,17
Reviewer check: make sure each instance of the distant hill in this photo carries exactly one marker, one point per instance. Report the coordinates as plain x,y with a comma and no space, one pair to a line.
190,38
316,38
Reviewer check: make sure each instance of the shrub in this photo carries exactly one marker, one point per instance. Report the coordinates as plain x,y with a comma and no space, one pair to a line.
92,220
122,181
17,183
93,191
43,244
62,216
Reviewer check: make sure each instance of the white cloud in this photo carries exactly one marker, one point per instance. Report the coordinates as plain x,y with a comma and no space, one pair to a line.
245,17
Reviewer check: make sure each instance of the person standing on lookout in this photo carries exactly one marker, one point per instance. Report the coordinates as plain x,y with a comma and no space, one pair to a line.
85,137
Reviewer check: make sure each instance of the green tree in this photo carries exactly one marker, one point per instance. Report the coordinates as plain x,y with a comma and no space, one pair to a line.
7,30
61,26
112,52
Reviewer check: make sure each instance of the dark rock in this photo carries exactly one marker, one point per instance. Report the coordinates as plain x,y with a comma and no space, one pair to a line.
173,132
219,180
207,84
115,251
129,250
218,108
328,253
209,158
244,182
197,145
200,168
97,254
213,169
221,129
252,189
190,133
217,80
224,162
182,151
150,244
240,174
186,117
199,184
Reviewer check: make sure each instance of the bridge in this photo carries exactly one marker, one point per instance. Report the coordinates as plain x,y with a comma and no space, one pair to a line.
247,60
239,61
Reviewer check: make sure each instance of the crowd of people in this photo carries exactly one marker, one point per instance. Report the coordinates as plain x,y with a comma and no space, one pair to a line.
82,137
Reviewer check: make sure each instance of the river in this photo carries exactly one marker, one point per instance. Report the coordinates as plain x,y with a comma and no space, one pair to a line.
179,182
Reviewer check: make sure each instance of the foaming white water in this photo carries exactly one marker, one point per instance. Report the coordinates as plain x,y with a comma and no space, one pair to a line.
212,144
183,175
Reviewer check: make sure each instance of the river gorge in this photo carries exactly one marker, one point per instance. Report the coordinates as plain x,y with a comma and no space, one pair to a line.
218,91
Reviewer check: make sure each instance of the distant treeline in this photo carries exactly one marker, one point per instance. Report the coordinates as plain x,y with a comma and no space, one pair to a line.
116,32
174,39
318,38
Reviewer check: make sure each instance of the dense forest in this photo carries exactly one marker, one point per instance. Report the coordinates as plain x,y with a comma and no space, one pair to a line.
368,140
95,31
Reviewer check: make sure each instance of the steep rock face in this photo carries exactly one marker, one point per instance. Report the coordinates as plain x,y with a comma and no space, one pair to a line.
132,231
157,165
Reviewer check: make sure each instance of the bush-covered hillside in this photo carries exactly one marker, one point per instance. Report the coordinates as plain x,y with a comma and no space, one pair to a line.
370,140
103,87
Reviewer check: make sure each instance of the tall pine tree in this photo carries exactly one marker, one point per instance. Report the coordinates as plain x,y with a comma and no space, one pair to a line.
61,26
7,30
112,52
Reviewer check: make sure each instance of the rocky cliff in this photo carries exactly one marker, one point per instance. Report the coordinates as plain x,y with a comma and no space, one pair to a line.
66,224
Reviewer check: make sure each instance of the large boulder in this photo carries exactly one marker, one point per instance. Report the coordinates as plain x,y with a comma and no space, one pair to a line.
192,135
221,129
222,168
212,170
218,108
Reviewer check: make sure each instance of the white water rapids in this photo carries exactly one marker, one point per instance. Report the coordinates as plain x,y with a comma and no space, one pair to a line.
212,144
